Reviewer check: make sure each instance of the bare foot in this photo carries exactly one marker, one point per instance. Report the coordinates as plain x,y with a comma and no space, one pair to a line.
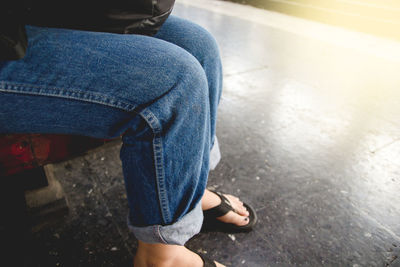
160,255
240,217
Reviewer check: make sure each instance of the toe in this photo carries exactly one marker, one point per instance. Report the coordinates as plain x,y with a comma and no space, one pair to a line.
238,206
240,215
234,218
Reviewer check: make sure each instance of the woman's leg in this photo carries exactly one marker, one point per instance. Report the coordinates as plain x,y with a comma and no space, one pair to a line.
203,46
153,93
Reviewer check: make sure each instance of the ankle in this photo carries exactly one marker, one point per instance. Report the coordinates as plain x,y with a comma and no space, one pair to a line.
158,255
161,255
209,200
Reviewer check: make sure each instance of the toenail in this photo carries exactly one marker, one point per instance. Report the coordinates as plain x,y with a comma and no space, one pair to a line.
246,219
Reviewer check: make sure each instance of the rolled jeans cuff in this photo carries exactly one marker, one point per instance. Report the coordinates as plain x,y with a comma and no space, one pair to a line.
177,233
215,155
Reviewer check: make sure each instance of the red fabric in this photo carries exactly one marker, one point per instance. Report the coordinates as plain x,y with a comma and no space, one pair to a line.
19,152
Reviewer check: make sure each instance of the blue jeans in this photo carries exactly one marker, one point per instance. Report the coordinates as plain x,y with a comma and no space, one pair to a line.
159,93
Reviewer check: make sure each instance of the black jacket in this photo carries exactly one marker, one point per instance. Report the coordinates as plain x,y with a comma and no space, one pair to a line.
117,16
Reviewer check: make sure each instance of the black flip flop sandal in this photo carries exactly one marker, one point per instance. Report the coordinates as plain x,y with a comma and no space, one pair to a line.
211,223
207,262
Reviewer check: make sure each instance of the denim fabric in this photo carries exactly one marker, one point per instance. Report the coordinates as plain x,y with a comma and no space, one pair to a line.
160,93
175,234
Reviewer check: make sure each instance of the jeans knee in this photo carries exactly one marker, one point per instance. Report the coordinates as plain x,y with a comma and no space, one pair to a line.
197,91
193,78
209,45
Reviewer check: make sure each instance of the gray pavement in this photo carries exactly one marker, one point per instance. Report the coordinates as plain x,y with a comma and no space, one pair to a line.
309,133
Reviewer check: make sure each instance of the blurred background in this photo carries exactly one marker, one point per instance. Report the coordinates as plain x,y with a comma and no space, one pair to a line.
379,17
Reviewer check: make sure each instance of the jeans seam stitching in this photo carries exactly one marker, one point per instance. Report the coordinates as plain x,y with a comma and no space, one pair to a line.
92,97
154,124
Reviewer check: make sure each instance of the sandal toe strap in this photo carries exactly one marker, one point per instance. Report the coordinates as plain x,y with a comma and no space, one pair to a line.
223,208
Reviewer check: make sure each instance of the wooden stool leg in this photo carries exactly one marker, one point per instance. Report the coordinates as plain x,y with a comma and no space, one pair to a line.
46,205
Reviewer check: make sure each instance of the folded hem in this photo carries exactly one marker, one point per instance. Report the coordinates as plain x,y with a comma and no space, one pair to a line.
177,233
215,154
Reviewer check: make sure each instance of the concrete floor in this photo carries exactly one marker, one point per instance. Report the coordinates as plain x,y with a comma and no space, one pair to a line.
309,132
